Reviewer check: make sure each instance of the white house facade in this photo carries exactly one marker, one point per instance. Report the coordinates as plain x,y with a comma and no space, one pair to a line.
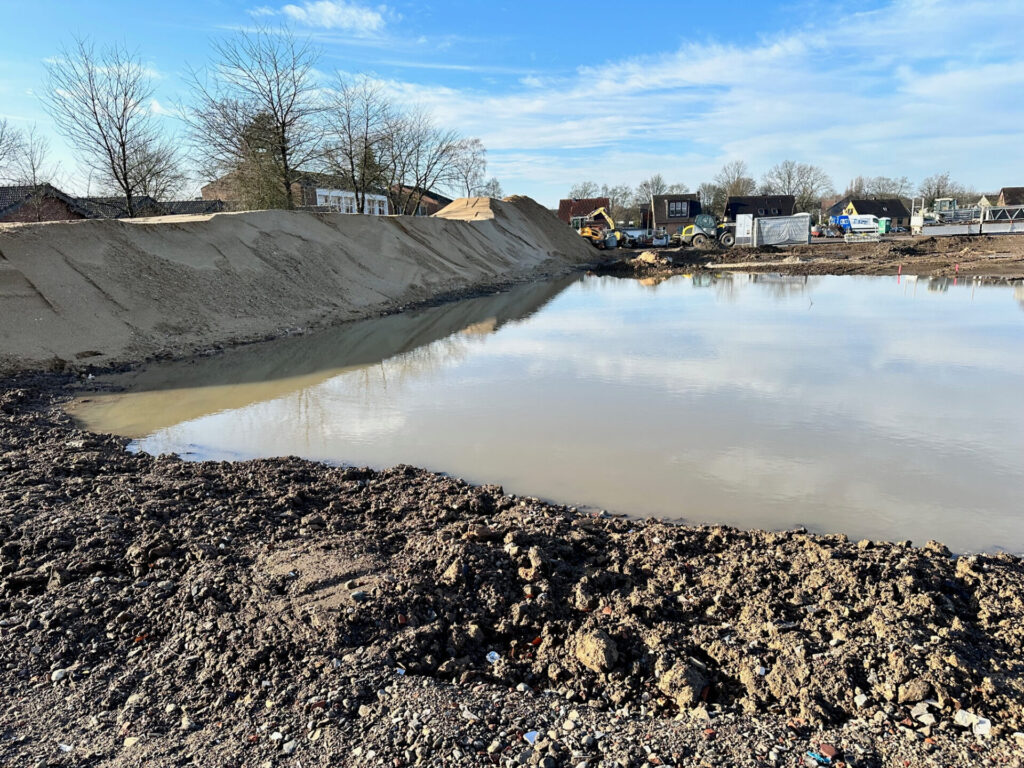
344,201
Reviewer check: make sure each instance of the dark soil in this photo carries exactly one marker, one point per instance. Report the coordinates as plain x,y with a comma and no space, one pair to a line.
997,258
284,612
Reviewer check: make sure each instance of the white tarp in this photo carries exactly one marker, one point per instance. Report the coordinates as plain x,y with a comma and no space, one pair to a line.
782,230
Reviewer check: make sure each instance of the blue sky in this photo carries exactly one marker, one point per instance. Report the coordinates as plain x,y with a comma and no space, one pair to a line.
614,92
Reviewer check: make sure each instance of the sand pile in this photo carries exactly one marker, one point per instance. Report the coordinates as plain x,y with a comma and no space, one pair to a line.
107,291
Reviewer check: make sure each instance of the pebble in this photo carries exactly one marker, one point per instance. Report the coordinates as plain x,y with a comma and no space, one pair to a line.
289,747
58,674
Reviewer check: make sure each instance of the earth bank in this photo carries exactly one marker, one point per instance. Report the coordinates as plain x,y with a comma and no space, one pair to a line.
282,612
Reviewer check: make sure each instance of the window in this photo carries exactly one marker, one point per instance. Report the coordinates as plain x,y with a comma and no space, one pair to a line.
382,208
677,209
775,211
760,211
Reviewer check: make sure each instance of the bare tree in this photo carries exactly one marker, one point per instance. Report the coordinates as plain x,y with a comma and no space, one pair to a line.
255,111
100,101
492,188
620,200
807,183
712,198
655,185
735,180
941,185
885,187
160,171
11,141
32,160
357,117
584,190
879,187
416,158
469,167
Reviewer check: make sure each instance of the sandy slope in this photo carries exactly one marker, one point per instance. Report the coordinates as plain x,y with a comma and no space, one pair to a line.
109,291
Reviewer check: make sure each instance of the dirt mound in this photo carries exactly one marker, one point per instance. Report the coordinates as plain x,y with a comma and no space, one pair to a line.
107,291
153,603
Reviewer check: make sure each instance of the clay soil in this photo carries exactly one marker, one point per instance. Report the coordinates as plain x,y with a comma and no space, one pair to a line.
156,612
991,257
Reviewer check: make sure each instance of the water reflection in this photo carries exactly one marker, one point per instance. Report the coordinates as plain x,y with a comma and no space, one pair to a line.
846,404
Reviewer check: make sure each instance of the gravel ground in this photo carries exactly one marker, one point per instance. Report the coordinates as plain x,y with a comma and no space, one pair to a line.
156,612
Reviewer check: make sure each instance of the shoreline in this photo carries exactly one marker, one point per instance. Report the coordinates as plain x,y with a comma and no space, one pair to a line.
326,581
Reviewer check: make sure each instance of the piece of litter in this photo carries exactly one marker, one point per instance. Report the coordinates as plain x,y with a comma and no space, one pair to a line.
531,736
493,657
65,747
399,671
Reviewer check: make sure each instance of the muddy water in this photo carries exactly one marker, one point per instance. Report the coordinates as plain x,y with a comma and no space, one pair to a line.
877,408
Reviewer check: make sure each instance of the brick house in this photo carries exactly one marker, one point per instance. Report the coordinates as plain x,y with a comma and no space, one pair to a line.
41,202
322,191
673,212
430,203
580,206
1009,196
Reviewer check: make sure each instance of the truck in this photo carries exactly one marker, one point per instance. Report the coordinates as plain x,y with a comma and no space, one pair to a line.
855,224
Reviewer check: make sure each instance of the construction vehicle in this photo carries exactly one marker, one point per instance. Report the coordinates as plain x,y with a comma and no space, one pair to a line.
599,228
704,231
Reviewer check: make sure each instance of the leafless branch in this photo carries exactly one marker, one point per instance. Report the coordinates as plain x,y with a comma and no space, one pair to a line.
100,101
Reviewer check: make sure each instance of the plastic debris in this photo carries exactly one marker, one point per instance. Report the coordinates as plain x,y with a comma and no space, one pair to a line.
819,759
531,736
493,657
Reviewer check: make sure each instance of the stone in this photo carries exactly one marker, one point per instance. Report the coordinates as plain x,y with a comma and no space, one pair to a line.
131,741
58,674
914,690
860,700
964,718
829,751
982,727
597,652
289,747
683,683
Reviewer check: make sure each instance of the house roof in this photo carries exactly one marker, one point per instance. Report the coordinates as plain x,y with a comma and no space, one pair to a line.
786,204
835,208
676,196
1012,195
580,206
114,207
891,207
12,198
192,207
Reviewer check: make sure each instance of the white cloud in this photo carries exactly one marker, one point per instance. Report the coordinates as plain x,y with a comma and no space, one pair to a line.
332,15
911,89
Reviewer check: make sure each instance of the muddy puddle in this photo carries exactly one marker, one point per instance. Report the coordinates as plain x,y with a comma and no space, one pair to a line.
879,408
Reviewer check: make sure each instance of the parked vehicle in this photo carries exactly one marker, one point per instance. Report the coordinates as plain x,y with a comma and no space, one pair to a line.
704,231
599,228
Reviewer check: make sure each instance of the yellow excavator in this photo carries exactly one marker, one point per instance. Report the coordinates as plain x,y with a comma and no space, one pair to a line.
599,228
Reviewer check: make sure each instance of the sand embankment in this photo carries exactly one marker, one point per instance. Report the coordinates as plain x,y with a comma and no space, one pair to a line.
102,292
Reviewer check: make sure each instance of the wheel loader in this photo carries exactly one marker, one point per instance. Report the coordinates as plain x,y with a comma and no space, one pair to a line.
704,232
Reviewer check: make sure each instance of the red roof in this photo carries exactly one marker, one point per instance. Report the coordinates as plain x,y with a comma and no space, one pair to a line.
580,206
